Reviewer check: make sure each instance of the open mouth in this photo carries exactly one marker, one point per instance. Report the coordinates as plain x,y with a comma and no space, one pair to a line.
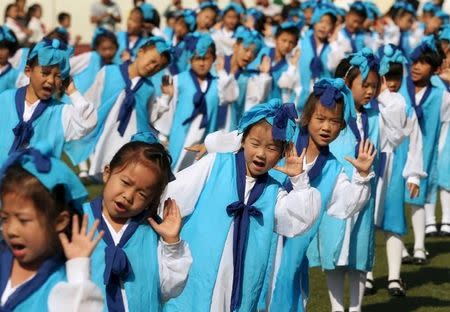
18,250
258,164
325,137
120,208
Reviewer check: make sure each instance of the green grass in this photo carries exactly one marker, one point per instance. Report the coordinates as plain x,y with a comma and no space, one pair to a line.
428,286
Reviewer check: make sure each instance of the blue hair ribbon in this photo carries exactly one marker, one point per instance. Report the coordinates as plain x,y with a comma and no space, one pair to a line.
365,60
390,54
427,43
249,37
148,11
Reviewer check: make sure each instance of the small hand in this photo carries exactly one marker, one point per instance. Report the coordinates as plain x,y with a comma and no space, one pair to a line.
265,65
170,228
126,56
200,149
366,156
384,84
70,89
82,243
414,190
293,165
220,63
295,57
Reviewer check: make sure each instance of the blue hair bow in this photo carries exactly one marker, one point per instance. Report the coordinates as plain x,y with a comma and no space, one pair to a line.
235,7
160,44
390,54
329,91
291,24
401,5
322,10
444,33
256,14
430,7
365,60
249,37
198,43
6,34
359,6
190,18
280,116
53,52
308,4
372,10
148,11
100,31
443,16
427,43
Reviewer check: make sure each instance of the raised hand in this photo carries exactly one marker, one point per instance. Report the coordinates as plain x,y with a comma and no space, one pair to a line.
200,149
366,156
220,63
295,57
265,65
414,190
126,56
70,88
384,84
167,86
83,242
170,228
293,165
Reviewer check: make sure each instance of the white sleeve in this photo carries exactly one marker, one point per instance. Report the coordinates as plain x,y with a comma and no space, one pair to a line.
16,58
78,118
296,211
393,119
159,107
79,63
78,294
164,122
413,170
94,93
289,78
391,34
258,88
228,88
175,261
338,50
348,198
445,107
222,141
188,185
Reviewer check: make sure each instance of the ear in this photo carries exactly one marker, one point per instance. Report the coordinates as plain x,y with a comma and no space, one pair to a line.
27,71
106,173
62,221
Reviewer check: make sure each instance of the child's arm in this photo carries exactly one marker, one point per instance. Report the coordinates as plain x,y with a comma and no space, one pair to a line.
339,48
165,107
258,87
78,118
296,211
78,293
348,198
227,85
174,255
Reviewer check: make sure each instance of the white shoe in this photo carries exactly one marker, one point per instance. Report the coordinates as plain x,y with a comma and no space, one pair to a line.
83,174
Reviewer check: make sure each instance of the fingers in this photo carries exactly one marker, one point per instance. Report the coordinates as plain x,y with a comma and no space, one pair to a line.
75,225
84,224
303,154
153,224
64,240
350,160
97,239
91,233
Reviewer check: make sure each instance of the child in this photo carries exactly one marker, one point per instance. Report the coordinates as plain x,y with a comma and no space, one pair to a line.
402,166
432,103
255,20
399,31
38,196
12,22
35,24
65,21
151,20
242,88
8,47
136,269
188,111
237,232
223,35
33,116
85,66
206,15
130,41
351,32
123,94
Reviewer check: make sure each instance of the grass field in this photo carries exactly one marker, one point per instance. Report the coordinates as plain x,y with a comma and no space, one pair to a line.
428,287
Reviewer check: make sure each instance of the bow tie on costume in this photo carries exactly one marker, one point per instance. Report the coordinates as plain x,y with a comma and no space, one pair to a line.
316,65
200,105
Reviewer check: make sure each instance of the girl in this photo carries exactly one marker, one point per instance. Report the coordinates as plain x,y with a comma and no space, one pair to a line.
8,46
189,110
244,215
35,24
223,34
206,15
84,67
33,116
131,258
123,94
38,196
130,41
255,20
351,32
11,20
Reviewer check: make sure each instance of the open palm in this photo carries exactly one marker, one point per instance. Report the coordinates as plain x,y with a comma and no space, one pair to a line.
366,156
170,228
293,165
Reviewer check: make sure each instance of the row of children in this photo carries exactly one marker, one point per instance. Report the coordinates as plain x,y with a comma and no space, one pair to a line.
397,102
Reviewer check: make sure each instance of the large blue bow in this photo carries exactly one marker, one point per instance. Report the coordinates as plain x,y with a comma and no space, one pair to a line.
322,10
190,18
148,11
365,60
427,43
286,113
249,37
390,54
6,34
329,91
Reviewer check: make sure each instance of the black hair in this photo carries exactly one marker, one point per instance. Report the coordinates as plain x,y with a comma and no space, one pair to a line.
433,58
155,20
11,46
395,71
57,34
8,7
284,144
105,36
62,16
360,12
31,10
154,156
290,30
310,108
349,73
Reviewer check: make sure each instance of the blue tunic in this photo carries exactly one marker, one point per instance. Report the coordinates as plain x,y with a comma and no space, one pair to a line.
86,78
8,78
122,40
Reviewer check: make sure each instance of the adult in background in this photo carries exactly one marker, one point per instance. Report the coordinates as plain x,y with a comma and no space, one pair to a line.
106,14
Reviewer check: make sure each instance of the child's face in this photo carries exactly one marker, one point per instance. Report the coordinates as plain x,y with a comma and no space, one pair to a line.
128,191
393,84
171,22
38,13
149,61
206,19
307,13
202,65
261,152
353,22
244,55
433,25
66,22
44,80
285,42
4,56
445,45
107,49
134,23
13,12
24,229
421,71
426,16
324,28
230,19
180,28
405,21
325,124
364,91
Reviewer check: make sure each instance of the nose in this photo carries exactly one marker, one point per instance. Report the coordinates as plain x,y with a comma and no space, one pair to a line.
128,195
326,125
10,229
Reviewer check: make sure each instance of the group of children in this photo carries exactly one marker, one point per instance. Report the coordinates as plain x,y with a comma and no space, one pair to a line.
318,128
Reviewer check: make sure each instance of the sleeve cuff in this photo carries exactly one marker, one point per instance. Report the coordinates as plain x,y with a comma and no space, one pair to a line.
77,269
77,98
413,180
300,182
174,250
360,179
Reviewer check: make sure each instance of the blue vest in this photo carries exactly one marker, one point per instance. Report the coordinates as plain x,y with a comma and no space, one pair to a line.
331,230
79,150
122,40
142,285
292,283
8,79
23,59
48,134
206,231
305,73
184,109
431,127
86,78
